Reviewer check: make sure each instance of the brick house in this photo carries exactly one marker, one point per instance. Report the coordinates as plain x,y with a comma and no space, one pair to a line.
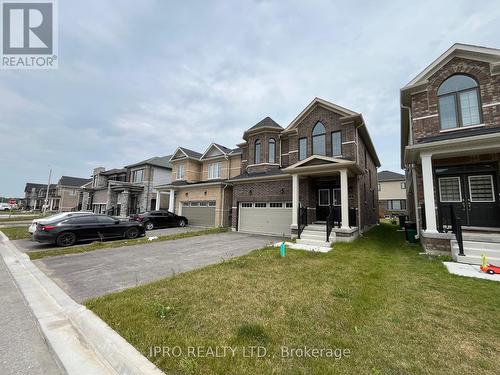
321,168
450,148
391,194
200,188
128,190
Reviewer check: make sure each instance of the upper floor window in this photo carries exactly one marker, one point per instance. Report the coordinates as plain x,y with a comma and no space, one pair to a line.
272,151
403,185
459,102
257,151
302,148
214,170
318,139
180,172
337,143
138,175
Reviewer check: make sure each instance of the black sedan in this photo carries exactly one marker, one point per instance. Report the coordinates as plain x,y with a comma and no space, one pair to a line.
68,231
160,219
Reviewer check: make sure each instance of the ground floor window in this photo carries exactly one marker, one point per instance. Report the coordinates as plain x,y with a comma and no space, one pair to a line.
396,204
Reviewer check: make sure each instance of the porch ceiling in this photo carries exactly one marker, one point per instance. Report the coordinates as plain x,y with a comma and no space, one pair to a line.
480,144
323,166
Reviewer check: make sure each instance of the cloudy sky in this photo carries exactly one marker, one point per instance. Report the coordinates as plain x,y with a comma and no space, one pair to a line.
138,78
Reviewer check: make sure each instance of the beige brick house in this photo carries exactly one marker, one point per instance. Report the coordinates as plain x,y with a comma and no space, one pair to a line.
450,148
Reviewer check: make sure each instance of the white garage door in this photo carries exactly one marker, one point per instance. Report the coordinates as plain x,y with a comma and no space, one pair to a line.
266,218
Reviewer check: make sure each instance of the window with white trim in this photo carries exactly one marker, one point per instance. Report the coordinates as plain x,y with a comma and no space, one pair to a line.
276,205
481,189
179,175
214,170
288,205
247,205
138,175
260,205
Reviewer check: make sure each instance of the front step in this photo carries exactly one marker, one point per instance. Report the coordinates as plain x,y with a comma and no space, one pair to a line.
318,243
473,251
481,237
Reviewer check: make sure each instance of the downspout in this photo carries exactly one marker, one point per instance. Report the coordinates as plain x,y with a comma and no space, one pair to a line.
413,170
360,229
223,191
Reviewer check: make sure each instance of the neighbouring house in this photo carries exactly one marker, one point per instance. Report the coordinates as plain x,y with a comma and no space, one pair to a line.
200,188
450,148
129,190
63,196
391,194
316,179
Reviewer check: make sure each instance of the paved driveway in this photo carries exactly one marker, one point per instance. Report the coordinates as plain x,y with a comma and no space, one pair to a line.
29,245
101,272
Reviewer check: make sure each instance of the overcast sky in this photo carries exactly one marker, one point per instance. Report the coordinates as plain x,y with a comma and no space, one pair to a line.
136,79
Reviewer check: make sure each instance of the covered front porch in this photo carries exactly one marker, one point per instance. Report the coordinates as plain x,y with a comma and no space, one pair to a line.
324,200
458,207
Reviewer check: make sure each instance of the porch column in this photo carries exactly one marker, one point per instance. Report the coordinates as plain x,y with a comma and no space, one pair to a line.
171,203
158,197
344,199
428,182
295,199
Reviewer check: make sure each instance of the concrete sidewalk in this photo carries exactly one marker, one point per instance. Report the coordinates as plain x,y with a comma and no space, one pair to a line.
81,342
23,349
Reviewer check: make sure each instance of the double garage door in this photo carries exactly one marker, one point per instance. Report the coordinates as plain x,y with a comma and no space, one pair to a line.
199,213
266,218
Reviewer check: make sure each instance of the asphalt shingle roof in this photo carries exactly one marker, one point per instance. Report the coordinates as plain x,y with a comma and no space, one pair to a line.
266,122
271,172
191,153
390,176
73,181
158,161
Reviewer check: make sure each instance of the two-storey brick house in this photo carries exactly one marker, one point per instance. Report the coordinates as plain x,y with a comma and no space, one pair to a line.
450,147
200,188
322,164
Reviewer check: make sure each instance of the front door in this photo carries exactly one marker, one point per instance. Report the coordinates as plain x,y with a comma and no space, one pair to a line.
473,197
325,198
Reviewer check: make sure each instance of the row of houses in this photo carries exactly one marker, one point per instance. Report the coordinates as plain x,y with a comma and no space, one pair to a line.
322,167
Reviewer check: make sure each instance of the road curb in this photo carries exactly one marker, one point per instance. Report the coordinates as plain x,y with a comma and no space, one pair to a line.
79,339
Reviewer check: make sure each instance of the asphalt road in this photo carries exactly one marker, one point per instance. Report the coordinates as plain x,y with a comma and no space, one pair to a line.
100,272
23,349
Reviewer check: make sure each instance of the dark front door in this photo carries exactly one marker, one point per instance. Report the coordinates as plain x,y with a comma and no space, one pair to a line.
473,196
325,198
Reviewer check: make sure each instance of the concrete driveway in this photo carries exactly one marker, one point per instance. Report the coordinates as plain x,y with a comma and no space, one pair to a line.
29,245
101,272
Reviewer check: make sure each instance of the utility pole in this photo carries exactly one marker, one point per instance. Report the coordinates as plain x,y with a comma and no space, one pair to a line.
47,194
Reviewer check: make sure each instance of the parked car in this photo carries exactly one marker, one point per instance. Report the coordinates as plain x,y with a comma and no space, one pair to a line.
55,217
69,230
5,207
160,219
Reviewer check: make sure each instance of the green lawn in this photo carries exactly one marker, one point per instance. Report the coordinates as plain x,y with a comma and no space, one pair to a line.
118,243
396,311
16,233
19,218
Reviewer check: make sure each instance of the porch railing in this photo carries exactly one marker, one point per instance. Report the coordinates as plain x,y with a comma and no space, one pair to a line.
448,221
456,227
302,220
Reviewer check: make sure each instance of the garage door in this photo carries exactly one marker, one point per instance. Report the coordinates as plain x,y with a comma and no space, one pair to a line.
266,218
199,213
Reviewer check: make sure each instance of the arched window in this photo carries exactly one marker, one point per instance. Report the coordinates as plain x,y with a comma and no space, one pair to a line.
257,151
459,102
271,157
318,139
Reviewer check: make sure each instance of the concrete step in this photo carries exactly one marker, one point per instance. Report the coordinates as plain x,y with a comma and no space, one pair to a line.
313,235
316,227
481,237
319,243
474,256
481,246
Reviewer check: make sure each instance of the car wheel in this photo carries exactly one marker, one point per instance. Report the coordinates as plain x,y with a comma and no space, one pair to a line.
132,233
149,225
66,239
491,272
182,223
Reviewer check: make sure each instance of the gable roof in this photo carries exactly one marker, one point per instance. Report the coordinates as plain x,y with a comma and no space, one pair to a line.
223,149
190,154
157,161
31,185
390,176
418,83
319,102
73,181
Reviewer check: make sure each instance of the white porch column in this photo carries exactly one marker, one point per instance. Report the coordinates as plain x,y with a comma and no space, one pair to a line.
295,199
171,205
158,196
344,199
428,182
